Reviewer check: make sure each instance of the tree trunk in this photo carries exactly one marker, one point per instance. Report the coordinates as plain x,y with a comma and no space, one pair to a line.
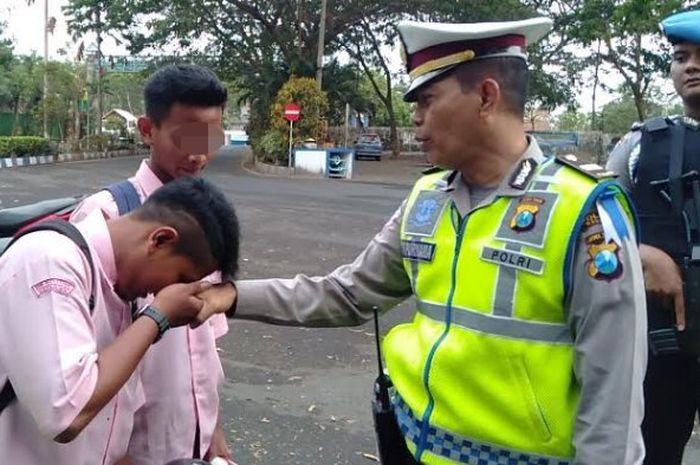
100,101
393,133
639,104
15,117
595,87
76,115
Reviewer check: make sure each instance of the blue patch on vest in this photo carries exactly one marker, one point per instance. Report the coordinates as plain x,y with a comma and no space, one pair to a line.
416,250
425,213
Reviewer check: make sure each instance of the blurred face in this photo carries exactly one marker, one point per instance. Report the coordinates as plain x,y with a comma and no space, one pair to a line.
447,121
685,72
184,142
157,264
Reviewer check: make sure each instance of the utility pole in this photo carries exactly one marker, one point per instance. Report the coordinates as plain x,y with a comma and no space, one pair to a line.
100,101
46,68
321,38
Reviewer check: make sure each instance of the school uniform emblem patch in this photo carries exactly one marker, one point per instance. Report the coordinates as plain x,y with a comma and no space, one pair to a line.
525,214
57,285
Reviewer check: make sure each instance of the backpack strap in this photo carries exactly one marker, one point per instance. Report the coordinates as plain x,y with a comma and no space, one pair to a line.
7,395
125,195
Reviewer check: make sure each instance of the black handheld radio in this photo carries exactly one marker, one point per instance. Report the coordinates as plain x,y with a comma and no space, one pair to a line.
390,442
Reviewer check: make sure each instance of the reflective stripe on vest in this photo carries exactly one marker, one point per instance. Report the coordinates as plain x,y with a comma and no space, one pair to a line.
458,449
488,357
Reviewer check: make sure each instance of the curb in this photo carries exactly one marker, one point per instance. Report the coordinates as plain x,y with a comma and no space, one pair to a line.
18,162
254,171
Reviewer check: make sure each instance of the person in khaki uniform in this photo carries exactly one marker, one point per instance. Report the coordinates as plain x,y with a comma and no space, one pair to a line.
528,345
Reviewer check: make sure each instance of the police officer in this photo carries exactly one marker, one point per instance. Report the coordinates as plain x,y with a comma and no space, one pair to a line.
655,162
528,345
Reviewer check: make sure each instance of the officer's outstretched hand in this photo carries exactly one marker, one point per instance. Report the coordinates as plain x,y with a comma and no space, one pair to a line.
663,278
180,302
217,299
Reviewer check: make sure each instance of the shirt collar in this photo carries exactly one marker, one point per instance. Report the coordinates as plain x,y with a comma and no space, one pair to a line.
146,179
506,188
94,229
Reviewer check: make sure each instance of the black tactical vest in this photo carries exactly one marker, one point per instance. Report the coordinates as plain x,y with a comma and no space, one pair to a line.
669,149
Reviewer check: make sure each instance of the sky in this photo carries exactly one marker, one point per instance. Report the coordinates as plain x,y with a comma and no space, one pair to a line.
25,27
25,24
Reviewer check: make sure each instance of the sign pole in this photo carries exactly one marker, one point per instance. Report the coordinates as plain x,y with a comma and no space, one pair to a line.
291,133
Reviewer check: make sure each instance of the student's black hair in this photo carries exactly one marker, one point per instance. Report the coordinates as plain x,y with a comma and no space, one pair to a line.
203,218
186,84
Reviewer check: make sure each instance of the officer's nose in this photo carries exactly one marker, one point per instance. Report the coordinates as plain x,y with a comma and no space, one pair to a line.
417,117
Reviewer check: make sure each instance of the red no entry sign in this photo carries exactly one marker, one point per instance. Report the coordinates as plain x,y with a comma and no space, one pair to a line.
292,112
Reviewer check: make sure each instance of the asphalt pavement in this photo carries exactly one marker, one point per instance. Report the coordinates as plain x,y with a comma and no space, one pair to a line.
292,396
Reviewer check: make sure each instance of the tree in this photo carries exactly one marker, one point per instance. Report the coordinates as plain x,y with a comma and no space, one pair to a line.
628,31
100,17
363,43
573,120
303,91
262,43
618,116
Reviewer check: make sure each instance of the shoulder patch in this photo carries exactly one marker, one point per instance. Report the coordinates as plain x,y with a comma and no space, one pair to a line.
657,124
603,261
521,177
592,219
636,126
55,285
592,170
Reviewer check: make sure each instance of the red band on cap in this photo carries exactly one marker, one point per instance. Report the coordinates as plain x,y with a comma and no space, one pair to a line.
480,47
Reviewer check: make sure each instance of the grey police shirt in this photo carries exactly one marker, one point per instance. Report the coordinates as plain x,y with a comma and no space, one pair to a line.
607,320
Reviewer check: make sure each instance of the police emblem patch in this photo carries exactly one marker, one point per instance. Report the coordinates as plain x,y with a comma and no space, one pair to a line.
525,214
604,260
425,213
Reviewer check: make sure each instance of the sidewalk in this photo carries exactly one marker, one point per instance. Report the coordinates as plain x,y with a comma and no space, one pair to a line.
404,170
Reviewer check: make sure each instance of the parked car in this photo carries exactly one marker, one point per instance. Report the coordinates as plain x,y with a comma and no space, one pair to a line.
368,145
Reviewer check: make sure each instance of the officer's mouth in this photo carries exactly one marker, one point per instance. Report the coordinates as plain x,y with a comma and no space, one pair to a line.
692,82
424,143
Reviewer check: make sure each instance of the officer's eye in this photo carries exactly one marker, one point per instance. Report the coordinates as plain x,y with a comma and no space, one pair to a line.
680,57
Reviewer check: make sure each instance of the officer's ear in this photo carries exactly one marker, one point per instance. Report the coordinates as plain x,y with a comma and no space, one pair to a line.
163,239
490,94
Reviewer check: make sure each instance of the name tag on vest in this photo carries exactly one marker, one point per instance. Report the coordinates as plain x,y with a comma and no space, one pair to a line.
512,259
416,250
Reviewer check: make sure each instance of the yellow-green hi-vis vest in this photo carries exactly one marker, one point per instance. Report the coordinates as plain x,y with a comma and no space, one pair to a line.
484,373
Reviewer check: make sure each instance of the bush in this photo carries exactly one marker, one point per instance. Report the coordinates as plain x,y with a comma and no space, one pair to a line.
306,93
25,146
273,147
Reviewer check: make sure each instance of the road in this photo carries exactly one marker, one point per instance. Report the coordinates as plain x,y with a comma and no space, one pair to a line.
292,396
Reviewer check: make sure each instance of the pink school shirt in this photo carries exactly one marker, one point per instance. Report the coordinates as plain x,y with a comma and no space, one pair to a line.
181,374
49,344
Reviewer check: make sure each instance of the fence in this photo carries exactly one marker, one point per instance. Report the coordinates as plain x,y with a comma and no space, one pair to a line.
589,146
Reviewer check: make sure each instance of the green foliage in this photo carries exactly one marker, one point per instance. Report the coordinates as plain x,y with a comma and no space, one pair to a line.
272,147
314,105
617,117
25,146
625,35
573,120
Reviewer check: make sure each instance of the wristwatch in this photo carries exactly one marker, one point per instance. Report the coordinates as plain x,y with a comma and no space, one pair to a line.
154,314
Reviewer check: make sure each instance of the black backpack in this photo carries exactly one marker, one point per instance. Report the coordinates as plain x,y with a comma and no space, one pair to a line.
52,215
